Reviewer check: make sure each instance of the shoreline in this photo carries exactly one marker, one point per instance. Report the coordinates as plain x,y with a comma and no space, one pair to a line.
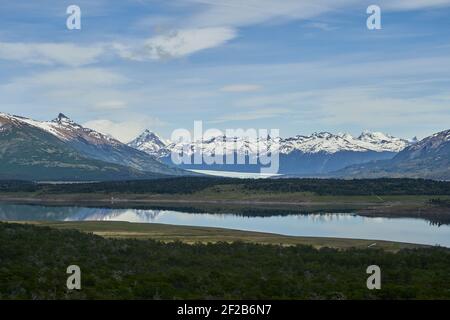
396,208
196,234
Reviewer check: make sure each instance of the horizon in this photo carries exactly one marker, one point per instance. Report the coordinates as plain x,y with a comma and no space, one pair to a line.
297,66
167,140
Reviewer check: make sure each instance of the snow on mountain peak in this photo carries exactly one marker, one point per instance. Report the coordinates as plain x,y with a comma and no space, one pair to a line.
383,142
65,129
346,136
434,141
153,136
149,142
150,136
373,136
318,142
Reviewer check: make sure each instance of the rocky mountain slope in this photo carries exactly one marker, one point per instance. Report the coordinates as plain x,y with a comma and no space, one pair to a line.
428,158
63,149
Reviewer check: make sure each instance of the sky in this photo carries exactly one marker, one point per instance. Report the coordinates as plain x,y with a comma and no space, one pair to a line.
294,65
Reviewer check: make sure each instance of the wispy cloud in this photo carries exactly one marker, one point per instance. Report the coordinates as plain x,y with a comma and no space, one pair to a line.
332,82
172,44
241,88
213,24
67,54
176,44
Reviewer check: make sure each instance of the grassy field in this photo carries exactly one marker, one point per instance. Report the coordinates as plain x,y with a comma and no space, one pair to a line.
191,235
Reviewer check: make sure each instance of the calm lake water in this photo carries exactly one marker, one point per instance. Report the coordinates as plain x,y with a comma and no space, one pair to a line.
317,225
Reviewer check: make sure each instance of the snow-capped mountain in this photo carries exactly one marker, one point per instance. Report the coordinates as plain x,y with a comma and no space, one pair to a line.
66,129
87,143
428,158
149,142
379,141
436,145
61,149
317,153
323,142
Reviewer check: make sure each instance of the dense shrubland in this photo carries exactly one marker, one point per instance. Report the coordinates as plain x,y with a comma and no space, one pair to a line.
33,262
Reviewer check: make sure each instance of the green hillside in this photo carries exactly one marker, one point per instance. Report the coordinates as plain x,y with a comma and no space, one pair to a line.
32,154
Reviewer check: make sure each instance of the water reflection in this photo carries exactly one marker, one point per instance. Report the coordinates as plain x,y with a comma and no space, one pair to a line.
103,214
343,225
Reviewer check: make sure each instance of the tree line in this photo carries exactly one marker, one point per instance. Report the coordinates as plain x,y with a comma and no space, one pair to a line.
188,185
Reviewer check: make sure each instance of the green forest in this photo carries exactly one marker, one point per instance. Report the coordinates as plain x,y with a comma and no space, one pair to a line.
33,262
186,185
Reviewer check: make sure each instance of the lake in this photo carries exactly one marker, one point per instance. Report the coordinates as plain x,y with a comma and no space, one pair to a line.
341,225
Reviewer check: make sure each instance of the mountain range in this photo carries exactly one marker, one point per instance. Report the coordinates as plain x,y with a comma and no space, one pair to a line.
61,149
64,150
428,158
316,154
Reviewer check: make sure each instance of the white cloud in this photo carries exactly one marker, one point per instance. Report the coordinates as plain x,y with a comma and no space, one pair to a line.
50,53
124,131
241,88
212,24
176,44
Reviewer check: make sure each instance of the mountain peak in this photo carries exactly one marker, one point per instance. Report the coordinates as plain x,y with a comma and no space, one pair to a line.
148,141
149,135
322,134
148,132
373,135
345,135
62,118
318,142
428,144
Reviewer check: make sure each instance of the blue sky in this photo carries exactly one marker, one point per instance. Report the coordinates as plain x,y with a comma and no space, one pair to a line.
298,66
